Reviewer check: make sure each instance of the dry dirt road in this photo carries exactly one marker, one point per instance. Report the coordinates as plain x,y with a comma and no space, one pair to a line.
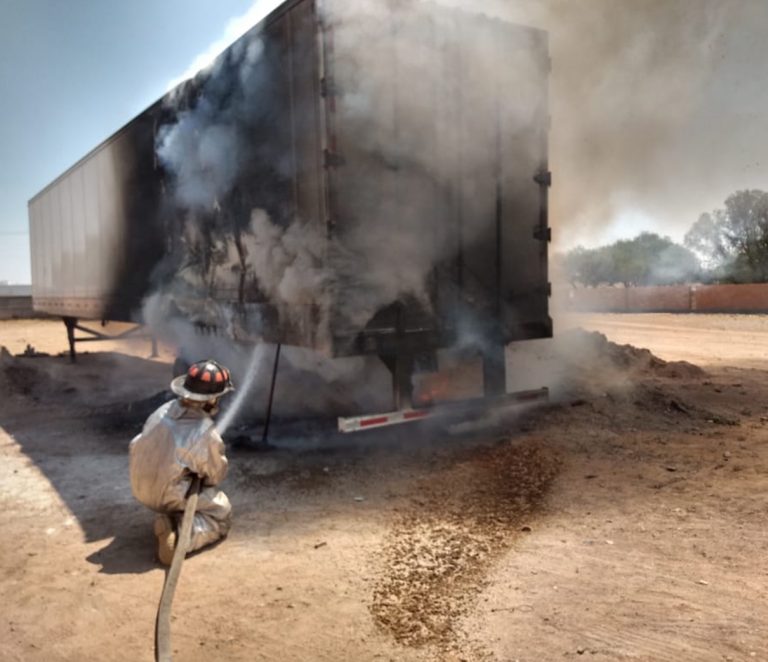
625,521
707,340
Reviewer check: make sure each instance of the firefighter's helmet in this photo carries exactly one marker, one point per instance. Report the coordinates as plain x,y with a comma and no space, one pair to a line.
205,380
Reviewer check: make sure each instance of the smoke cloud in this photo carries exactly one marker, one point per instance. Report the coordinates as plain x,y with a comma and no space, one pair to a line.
402,137
658,107
658,110
405,142
635,97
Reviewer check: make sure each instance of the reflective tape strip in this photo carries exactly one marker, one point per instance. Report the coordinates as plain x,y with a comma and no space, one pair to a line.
373,421
382,420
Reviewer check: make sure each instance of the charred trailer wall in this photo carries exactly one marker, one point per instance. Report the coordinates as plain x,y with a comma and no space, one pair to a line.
348,177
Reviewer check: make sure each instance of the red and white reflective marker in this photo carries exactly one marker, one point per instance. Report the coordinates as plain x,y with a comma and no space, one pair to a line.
373,421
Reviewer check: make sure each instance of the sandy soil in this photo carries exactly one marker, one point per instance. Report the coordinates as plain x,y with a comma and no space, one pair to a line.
49,336
624,521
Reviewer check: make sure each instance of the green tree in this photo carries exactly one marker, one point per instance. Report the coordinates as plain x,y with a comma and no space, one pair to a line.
589,267
733,241
706,238
648,259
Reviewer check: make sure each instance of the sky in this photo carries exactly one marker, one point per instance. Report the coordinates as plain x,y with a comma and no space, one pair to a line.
659,107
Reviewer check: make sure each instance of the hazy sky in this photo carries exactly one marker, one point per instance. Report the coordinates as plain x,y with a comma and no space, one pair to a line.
659,107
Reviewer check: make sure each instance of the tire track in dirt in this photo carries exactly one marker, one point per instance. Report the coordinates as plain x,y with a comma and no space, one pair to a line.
440,549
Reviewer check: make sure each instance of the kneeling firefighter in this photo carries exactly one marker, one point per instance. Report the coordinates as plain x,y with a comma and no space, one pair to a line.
179,441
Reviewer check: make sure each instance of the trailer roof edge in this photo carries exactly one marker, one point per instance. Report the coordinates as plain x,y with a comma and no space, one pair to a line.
267,20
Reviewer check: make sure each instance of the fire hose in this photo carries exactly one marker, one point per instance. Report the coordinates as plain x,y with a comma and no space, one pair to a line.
163,620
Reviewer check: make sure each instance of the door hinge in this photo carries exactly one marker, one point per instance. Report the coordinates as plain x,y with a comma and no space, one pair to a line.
543,178
333,160
542,233
327,88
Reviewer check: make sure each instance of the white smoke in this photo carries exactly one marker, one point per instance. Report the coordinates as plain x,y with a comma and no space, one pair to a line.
395,198
203,153
308,384
405,159
288,263
640,92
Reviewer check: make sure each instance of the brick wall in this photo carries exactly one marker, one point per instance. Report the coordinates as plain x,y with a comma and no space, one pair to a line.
751,298
595,299
734,298
673,299
17,307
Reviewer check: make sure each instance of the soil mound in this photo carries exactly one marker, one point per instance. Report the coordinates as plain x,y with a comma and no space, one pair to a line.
18,377
596,346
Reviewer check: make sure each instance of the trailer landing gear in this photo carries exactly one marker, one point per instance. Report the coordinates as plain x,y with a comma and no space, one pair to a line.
72,324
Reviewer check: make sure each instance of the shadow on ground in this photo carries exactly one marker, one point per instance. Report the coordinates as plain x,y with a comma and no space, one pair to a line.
79,441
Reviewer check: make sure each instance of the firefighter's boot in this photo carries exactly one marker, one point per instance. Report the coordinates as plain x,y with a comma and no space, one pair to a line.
165,532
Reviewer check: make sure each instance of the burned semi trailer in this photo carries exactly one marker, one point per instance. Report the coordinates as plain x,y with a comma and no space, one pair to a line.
353,178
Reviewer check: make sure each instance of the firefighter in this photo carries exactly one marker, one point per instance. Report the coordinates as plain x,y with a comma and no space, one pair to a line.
178,441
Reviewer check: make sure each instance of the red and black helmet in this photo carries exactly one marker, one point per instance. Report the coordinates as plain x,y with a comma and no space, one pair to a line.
205,380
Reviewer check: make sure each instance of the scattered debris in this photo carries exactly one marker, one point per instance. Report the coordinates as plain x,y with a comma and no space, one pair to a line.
437,556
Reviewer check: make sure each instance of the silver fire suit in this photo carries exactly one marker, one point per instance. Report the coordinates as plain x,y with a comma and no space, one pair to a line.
178,441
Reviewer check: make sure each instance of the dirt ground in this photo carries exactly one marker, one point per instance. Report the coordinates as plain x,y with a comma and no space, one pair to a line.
625,520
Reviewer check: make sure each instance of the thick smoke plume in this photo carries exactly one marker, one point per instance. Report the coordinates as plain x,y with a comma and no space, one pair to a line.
400,134
202,148
406,144
630,82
